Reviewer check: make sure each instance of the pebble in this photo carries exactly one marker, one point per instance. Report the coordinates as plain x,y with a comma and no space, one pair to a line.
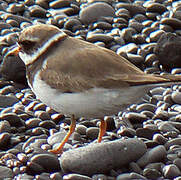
92,133
173,22
75,176
127,176
176,97
171,171
171,142
13,119
5,173
47,161
132,8
7,101
93,158
5,126
156,154
95,11
145,32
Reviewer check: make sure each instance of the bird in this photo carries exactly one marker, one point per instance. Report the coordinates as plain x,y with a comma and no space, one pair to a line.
80,79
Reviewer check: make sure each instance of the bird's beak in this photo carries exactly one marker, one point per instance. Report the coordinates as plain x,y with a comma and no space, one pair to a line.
15,50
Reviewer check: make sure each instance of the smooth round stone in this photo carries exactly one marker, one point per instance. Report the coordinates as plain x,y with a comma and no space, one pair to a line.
32,140
7,101
151,173
32,122
34,168
56,4
92,132
171,171
42,115
156,8
102,157
75,176
4,140
146,106
135,59
166,127
127,34
13,119
102,25
95,11
176,97
128,176
5,126
132,8
159,138
47,124
56,176
145,132
40,106
128,48
56,137
140,18
15,8
134,117
177,162
81,129
48,161
37,11
13,68
156,154
17,18
5,173
137,26
94,37
129,132
175,141
155,35
173,22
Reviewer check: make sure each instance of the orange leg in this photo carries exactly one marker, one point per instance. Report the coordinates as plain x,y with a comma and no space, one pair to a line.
102,130
71,130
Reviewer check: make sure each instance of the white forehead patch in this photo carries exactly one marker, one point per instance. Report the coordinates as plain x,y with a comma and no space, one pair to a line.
29,58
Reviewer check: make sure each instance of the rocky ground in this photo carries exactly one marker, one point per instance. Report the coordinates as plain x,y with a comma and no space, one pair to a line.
143,142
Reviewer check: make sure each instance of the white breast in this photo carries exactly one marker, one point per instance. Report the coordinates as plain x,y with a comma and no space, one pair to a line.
94,103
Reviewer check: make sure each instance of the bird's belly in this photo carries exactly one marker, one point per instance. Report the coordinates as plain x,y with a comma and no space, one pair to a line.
93,103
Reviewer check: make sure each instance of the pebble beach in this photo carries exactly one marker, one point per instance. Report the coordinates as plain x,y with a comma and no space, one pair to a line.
142,142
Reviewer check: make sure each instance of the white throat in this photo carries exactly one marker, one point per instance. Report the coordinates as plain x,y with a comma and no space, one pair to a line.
28,59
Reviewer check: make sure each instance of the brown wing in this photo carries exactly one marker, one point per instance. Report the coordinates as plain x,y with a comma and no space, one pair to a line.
85,66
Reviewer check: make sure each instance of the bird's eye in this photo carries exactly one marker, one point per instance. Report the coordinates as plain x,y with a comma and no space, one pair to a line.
27,45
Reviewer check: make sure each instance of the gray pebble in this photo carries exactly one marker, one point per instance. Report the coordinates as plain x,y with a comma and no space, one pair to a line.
156,8
95,11
75,176
100,158
59,4
13,119
94,37
153,155
151,173
128,176
173,22
37,11
92,132
5,126
5,172
132,8
176,97
47,161
177,162
175,141
4,140
171,171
